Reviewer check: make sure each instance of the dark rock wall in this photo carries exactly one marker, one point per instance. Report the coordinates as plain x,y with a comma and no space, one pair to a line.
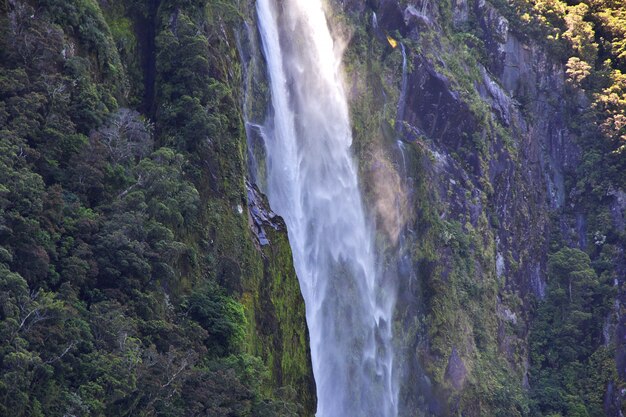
485,153
467,152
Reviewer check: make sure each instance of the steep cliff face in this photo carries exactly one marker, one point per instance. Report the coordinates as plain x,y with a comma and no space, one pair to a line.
478,128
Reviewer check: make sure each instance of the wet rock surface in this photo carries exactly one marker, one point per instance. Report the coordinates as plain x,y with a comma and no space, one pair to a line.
262,216
456,371
508,183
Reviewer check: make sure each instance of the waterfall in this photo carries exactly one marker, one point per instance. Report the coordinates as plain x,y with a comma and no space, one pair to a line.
403,90
312,182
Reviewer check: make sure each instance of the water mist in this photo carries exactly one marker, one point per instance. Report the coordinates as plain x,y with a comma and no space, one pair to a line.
312,182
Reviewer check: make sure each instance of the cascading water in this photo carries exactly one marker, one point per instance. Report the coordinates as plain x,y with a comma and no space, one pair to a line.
403,89
312,182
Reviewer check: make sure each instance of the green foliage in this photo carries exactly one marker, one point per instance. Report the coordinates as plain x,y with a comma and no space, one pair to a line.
589,36
610,103
222,317
570,368
84,19
577,71
580,32
109,296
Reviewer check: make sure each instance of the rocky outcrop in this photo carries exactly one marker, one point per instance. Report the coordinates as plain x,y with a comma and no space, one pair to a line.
456,373
260,215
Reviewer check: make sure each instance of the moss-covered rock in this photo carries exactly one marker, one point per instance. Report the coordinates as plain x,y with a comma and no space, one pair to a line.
477,125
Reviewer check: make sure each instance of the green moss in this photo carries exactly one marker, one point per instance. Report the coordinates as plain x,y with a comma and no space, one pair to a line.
198,113
454,259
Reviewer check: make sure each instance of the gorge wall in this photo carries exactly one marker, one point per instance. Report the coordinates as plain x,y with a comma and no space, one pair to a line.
480,144
143,272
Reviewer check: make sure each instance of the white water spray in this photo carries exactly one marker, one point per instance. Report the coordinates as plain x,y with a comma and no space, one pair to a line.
313,184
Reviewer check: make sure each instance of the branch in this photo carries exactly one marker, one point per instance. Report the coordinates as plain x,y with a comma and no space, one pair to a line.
58,358
126,191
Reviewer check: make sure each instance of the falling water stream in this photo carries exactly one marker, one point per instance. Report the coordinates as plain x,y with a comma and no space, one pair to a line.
312,183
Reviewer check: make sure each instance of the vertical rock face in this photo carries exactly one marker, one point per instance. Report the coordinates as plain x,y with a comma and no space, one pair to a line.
276,314
495,186
480,153
249,250
484,151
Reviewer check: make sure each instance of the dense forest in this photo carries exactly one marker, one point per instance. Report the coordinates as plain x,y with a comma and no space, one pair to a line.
116,295
131,284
